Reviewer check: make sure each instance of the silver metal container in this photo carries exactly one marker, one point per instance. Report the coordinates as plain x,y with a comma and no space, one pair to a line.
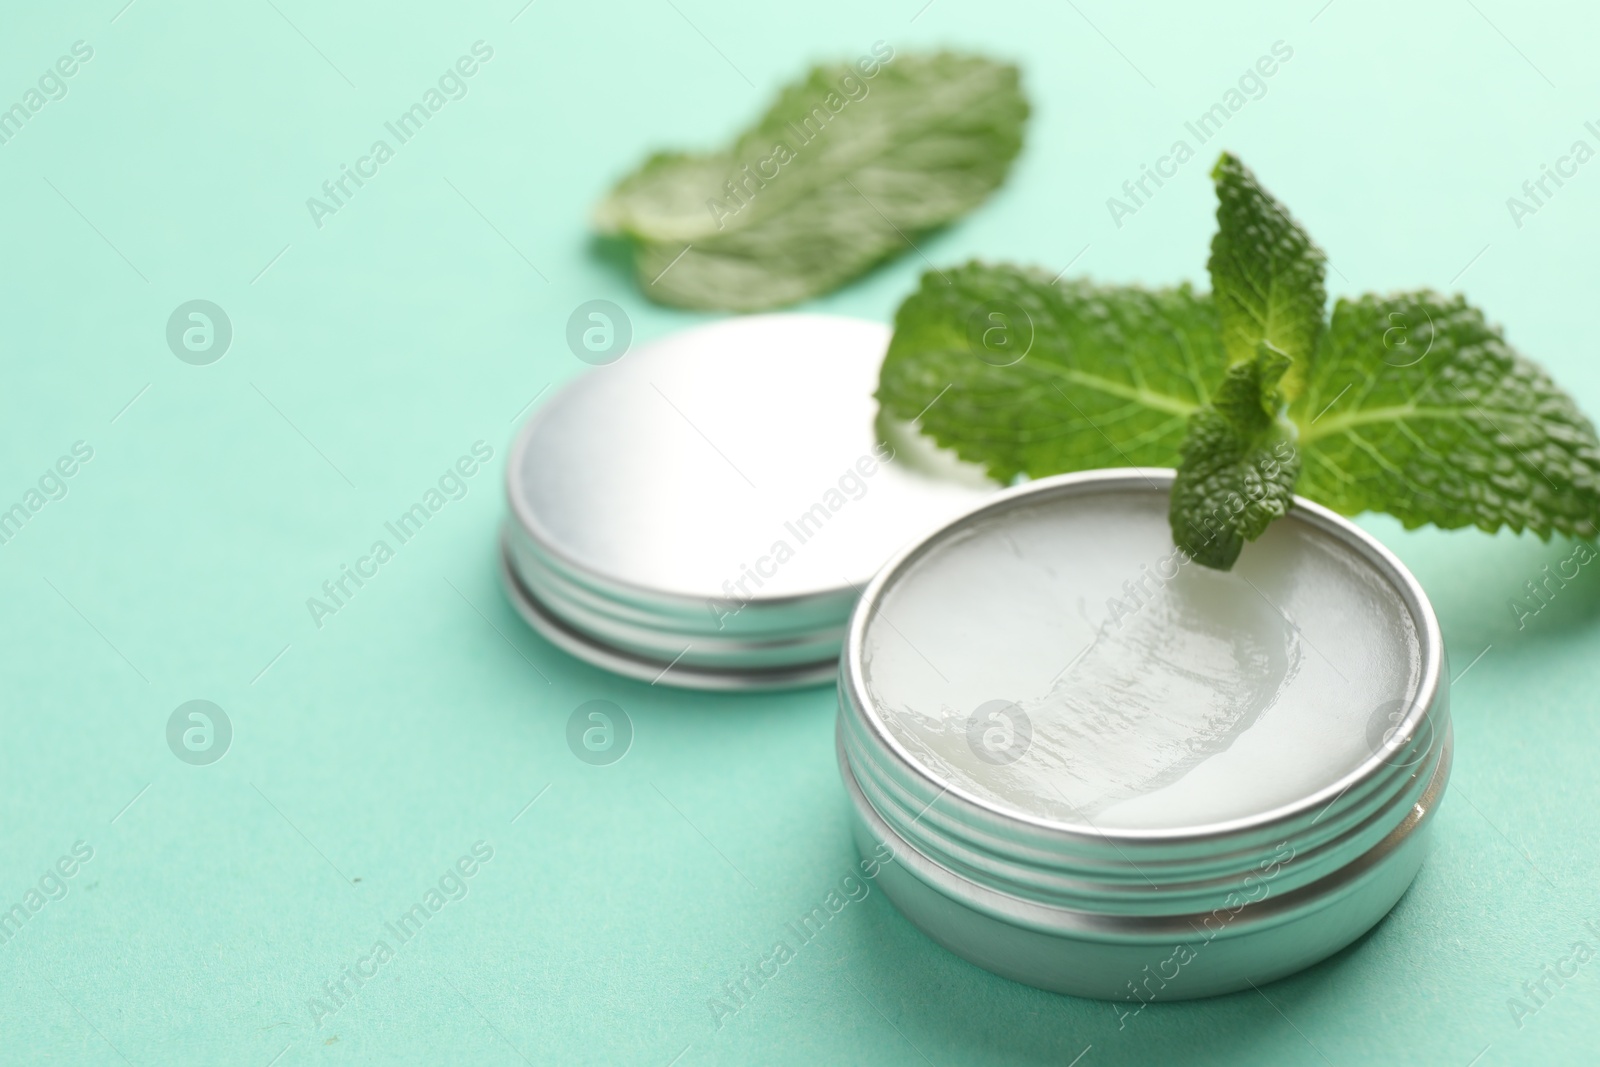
1142,914
704,511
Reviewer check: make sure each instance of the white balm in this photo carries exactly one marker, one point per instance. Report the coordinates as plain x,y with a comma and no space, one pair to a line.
1102,769
1115,684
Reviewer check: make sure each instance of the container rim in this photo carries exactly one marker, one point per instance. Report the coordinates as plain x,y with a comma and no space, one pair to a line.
1429,692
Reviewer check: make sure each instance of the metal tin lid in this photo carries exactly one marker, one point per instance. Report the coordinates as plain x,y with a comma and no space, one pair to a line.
966,753
705,511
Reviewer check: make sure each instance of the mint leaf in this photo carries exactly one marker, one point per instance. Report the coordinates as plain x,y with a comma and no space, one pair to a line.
1028,377
1419,408
1266,275
1239,464
843,171
1410,404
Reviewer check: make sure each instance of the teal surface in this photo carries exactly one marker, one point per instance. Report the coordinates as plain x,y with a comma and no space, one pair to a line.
370,754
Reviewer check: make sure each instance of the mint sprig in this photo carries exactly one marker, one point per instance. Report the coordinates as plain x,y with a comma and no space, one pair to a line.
1267,280
843,171
1239,463
1410,404
1266,273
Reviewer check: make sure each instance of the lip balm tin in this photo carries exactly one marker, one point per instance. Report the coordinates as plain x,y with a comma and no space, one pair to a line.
704,511
1106,771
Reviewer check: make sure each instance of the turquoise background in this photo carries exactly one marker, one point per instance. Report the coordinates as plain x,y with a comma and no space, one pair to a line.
370,353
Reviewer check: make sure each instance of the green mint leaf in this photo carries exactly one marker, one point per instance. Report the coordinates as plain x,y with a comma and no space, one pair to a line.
1239,464
1266,275
843,171
1409,404
1028,377
1419,408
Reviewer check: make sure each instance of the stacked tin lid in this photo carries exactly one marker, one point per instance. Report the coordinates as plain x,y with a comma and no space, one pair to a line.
704,511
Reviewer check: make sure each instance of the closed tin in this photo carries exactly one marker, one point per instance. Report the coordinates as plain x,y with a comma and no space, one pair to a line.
1294,848
704,511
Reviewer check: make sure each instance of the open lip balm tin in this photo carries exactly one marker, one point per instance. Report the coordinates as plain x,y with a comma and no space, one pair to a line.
704,511
1105,770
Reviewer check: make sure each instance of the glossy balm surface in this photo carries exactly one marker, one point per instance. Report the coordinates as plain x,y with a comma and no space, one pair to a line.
1065,663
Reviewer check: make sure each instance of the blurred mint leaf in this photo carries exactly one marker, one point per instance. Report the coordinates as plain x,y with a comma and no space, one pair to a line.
1028,377
1266,275
843,171
1419,408
1239,464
